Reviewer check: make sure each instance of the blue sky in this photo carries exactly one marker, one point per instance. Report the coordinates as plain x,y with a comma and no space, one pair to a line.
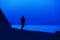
37,12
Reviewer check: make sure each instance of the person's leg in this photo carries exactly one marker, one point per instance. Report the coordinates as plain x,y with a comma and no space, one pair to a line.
22,27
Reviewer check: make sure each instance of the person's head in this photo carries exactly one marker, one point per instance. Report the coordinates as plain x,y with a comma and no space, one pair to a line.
22,15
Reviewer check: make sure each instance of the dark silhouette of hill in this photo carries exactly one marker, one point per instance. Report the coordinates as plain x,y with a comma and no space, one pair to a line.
7,33
4,26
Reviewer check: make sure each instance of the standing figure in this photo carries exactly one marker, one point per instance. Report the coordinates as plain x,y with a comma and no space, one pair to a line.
22,22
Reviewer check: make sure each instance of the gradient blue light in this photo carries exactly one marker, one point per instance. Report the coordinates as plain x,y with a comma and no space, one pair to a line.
36,12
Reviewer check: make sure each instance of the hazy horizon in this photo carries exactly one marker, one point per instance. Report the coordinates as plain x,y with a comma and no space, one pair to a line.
42,28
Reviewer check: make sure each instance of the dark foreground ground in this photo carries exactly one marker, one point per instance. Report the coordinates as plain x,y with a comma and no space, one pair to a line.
15,34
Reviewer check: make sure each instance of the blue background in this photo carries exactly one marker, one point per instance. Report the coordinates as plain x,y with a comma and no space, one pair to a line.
36,12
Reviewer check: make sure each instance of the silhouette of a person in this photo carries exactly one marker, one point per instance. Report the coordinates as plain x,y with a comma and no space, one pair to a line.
22,22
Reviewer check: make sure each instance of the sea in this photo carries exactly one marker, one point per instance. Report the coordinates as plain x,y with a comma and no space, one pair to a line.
40,28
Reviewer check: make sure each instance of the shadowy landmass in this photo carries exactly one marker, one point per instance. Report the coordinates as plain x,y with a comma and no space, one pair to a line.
4,26
8,33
